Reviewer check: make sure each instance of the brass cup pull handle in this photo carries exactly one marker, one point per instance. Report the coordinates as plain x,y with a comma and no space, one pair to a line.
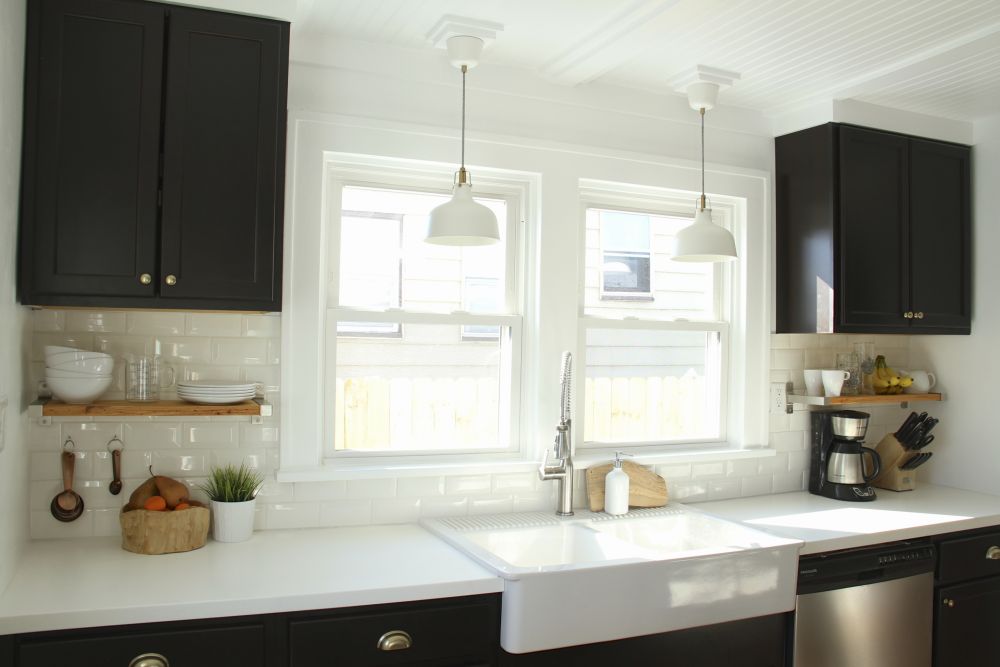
395,640
149,660
993,553
170,280
145,279
919,315
908,314
948,602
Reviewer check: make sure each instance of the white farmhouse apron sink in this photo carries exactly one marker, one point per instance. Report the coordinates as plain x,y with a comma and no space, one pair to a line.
593,577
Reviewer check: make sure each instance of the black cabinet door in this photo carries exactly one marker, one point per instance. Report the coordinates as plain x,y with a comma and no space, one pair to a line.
873,234
940,230
967,623
91,154
236,646
224,146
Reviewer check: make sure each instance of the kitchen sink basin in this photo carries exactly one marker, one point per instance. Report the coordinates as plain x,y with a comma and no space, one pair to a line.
593,577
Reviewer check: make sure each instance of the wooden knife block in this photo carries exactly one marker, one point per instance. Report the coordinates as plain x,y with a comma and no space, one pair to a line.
894,455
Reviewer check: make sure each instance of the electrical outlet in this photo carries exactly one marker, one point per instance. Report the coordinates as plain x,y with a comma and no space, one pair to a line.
3,422
779,398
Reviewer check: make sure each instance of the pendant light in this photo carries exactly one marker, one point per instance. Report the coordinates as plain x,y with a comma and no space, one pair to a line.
703,240
462,221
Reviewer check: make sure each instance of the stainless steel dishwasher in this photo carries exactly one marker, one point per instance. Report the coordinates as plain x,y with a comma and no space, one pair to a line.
866,607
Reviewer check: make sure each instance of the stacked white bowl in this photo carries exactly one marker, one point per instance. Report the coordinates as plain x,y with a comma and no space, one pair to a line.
77,376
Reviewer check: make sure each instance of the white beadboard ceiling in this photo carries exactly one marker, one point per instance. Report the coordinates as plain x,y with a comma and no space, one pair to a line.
936,57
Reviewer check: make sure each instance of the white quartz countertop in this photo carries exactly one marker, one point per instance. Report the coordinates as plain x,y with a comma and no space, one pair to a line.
829,525
93,582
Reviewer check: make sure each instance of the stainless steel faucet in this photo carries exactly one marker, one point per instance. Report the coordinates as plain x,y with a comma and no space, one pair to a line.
561,468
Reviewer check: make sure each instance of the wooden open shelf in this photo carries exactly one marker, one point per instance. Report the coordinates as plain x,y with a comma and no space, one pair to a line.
53,408
879,399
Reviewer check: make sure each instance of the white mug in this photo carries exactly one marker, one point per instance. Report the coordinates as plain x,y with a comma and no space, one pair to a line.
814,382
923,381
833,381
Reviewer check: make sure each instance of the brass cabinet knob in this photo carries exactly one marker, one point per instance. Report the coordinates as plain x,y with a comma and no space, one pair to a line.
395,640
908,314
170,280
993,553
948,602
919,315
145,279
149,660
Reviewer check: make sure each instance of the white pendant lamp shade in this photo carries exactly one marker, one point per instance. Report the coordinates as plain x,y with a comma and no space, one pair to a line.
462,221
704,241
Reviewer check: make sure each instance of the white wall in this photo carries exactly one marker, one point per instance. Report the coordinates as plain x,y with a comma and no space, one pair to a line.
13,318
966,446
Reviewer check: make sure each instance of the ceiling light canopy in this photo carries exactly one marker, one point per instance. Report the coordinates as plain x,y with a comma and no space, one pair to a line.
462,221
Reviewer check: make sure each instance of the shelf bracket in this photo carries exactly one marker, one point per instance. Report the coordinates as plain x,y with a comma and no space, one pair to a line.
266,410
35,413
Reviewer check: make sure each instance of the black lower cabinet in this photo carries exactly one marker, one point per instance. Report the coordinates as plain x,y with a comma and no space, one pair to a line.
967,595
206,643
753,642
448,633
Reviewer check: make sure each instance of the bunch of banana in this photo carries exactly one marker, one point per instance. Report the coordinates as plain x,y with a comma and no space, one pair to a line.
886,380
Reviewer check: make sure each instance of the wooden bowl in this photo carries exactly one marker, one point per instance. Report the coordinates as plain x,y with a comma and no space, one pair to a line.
146,532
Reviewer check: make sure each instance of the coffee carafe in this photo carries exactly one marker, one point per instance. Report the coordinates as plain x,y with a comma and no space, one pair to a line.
837,465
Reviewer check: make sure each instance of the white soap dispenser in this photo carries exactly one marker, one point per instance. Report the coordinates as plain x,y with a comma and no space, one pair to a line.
616,488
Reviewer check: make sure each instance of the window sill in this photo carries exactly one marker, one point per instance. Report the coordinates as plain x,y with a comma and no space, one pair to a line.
581,460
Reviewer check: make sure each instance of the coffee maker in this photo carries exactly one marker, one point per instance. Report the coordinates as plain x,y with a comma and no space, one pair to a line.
837,467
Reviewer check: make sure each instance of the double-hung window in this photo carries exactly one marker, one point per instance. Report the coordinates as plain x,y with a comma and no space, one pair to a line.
654,332
423,340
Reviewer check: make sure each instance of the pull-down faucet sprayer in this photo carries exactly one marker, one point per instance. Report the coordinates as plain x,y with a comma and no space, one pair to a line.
561,468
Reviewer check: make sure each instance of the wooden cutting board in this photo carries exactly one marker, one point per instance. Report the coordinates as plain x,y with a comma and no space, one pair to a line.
645,488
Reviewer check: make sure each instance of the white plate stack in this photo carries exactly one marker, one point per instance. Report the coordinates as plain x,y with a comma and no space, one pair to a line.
216,392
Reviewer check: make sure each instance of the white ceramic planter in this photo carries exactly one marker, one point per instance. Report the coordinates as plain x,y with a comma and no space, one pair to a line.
232,522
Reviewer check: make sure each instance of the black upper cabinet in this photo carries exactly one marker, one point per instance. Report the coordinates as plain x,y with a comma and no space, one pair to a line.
873,233
153,157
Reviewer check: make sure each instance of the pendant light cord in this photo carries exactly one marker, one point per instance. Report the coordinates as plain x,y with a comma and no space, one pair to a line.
702,113
465,68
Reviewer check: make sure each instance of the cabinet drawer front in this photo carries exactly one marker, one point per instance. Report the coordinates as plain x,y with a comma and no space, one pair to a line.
455,634
212,647
967,558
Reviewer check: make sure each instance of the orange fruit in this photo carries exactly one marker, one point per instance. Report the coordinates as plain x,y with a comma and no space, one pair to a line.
181,506
156,504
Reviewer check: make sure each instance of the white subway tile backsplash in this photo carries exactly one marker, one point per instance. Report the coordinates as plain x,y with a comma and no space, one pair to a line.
86,320
313,491
464,485
515,482
262,326
79,340
48,320
258,459
119,345
345,513
755,485
91,436
251,351
722,489
152,435
444,506
495,505
106,522
276,492
135,463
789,481
690,492
44,527
155,323
213,324
367,489
395,510
415,487
784,441
180,463
210,435
713,469
292,515
177,350
259,434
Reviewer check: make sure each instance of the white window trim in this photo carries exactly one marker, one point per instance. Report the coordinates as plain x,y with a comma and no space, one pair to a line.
564,168
315,428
